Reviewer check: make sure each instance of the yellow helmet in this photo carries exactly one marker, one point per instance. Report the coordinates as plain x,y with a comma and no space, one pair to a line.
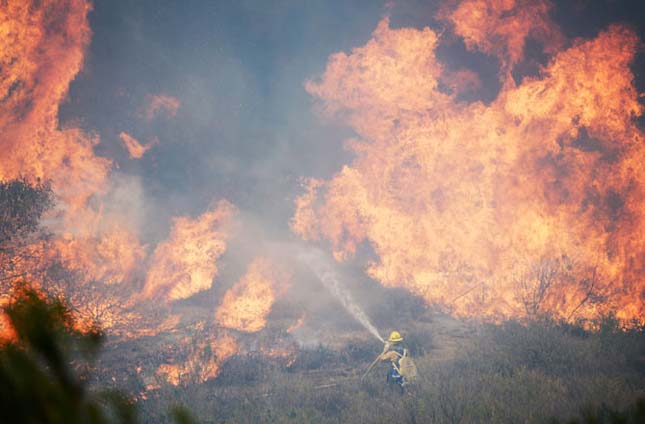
395,336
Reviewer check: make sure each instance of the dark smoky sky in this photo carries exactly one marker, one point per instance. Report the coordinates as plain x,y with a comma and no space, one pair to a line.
246,129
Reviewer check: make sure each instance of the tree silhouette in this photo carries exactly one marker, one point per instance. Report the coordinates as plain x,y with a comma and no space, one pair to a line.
45,368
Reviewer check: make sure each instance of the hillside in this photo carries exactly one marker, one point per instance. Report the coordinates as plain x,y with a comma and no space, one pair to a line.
468,373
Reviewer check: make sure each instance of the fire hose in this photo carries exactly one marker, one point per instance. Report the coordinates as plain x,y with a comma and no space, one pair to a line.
387,346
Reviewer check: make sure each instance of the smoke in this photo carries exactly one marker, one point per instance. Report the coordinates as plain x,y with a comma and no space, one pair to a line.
446,193
315,260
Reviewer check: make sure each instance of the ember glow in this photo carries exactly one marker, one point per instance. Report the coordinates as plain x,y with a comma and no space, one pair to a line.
201,360
6,331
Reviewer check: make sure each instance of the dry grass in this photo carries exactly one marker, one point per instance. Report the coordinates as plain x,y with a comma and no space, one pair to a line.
507,373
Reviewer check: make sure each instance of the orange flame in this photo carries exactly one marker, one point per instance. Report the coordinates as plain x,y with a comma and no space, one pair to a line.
246,305
42,48
185,264
7,333
110,259
159,103
296,325
501,27
135,149
532,204
42,45
203,362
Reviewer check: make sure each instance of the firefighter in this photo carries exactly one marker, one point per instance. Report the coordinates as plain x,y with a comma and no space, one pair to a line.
402,370
394,350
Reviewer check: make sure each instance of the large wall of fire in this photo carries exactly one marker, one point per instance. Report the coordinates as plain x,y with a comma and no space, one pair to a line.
532,203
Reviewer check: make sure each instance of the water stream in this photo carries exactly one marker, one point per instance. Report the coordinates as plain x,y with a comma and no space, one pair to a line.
330,279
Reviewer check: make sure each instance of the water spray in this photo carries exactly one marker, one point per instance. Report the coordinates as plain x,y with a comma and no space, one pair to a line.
320,266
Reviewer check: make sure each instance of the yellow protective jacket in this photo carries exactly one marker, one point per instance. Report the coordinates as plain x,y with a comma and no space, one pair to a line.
393,353
401,362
